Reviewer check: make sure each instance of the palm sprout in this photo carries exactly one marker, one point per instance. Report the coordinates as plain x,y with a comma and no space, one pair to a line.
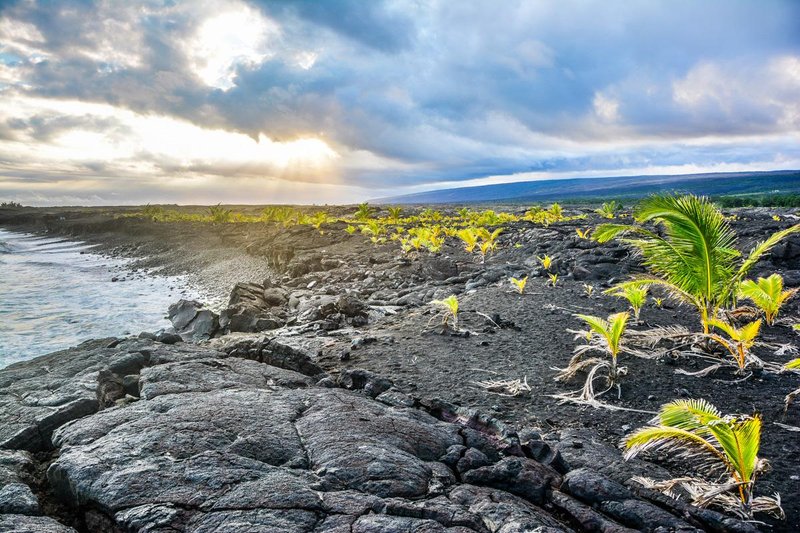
488,241
739,340
695,260
695,430
636,296
449,313
767,294
546,261
363,212
605,336
553,278
608,209
219,214
519,284
469,237
395,213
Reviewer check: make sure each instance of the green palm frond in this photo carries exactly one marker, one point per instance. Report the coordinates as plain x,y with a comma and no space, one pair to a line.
729,329
696,430
698,253
739,439
794,364
688,414
610,330
767,293
693,250
606,232
672,440
762,248
596,324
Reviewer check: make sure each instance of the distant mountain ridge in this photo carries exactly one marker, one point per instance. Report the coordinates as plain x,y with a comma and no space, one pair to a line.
711,184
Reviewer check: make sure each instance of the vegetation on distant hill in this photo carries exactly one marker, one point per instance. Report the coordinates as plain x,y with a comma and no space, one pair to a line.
760,200
10,204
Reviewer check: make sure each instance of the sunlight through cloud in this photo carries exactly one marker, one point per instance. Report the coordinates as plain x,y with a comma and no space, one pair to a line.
228,41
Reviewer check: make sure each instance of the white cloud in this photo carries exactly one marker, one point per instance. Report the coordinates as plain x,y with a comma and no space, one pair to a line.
122,142
238,37
606,108
768,93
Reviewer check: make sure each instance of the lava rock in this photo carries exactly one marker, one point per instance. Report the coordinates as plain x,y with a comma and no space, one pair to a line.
523,477
191,321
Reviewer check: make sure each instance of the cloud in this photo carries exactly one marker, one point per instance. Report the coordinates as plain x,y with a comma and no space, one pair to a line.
388,94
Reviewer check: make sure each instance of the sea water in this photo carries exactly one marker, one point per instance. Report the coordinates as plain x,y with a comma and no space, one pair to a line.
56,293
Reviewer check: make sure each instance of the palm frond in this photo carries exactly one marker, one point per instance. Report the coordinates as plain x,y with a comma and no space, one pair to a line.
739,439
689,414
606,232
762,248
676,441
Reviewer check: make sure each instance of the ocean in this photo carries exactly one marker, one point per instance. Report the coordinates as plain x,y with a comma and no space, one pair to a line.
56,293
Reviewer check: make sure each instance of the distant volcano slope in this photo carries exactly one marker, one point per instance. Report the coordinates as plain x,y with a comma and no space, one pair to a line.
717,184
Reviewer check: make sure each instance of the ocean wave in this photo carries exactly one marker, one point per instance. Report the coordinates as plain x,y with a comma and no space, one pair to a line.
5,248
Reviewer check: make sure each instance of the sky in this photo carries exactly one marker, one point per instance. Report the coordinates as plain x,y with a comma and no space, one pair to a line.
338,101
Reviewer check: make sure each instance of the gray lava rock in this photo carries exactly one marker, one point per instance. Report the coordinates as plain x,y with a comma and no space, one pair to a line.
109,388
581,448
16,523
359,379
275,296
216,374
191,321
523,477
42,394
617,501
248,319
17,498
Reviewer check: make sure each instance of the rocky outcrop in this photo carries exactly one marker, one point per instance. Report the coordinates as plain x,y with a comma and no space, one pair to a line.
249,309
192,321
216,442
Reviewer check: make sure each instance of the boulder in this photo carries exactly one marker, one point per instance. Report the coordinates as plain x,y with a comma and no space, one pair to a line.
16,523
248,319
192,321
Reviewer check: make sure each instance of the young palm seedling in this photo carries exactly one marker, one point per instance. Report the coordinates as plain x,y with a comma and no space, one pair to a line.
695,257
449,314
363,212
469,237
588,289
695,430
739,340
767,294
519,284
488,241
546,261
636,296
395,213
608,209
604,336
553,278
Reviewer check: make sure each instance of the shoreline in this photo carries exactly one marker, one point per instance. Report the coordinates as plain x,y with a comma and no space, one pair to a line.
356,317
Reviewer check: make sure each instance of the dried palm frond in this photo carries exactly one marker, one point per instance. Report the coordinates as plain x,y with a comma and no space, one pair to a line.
703,494
707,371
505,387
